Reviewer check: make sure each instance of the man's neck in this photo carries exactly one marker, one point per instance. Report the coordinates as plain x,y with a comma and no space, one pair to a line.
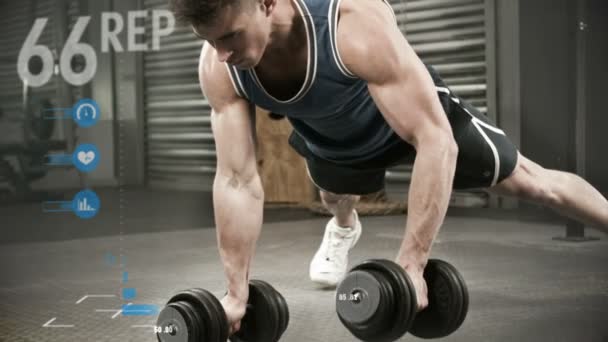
287,31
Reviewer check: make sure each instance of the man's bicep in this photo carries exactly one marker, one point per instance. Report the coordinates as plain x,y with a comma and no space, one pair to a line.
233,131
410,104
231,117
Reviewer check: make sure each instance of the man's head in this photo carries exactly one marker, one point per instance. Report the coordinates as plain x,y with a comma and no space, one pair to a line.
238,29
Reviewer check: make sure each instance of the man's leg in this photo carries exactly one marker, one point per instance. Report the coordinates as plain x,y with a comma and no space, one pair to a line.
341,206
566,193
330,262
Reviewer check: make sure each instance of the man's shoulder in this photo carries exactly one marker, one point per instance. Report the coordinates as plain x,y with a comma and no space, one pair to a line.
362,9
209,65
362,21
214,78
365,27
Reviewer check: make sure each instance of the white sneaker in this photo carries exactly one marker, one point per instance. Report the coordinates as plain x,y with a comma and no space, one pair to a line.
330,263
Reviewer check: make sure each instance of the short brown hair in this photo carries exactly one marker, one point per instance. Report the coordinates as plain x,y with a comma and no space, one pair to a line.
200,12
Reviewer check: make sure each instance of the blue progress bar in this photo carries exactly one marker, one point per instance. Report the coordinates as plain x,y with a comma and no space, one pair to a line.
139,310
67,113
59,159
56,206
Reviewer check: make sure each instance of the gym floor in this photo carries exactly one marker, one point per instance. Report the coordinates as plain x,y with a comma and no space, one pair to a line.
523,285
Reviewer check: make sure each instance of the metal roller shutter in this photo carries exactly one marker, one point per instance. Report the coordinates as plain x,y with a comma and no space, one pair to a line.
180,152
451,36
73,12
16,23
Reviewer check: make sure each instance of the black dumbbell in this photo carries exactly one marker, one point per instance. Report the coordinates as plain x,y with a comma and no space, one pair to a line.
376,301
195,315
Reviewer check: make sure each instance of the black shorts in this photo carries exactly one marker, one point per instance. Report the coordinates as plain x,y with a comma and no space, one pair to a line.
486,156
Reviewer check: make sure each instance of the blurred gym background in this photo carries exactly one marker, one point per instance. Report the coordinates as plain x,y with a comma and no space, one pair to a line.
535,67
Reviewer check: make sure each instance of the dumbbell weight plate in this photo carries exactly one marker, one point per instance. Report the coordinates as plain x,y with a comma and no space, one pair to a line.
196,315
465,297
199,315
283,314
262,316
459,319
177,323
280,305
212,312
448,302
406,303
358,298
373,301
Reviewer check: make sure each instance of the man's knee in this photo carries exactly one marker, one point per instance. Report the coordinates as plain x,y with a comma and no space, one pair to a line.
543,192
532,182
329,197
335,199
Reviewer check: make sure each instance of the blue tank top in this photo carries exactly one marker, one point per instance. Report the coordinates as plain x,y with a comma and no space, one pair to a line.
333,110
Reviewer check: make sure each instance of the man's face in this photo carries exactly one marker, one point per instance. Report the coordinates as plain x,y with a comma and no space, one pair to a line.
240,34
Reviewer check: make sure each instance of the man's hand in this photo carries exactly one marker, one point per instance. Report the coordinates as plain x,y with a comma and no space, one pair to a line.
415,273
235,311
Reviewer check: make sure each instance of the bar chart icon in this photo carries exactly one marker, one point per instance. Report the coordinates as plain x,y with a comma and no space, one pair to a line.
86,204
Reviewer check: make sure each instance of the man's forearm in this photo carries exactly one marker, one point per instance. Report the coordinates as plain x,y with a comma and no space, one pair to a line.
238,207
428,200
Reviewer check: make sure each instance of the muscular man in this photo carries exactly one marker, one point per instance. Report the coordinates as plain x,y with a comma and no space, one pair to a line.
360,101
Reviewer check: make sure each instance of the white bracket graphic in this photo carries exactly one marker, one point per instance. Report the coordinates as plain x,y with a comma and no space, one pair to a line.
116,312
48,324
94,296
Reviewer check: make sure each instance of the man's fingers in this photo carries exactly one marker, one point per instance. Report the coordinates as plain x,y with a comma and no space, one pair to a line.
234,328
422,303
422,295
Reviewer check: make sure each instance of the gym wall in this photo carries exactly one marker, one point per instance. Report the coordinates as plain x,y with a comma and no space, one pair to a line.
549,72
597,74
548,80
155,131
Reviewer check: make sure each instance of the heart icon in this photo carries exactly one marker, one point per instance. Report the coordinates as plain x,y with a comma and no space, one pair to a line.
86,157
